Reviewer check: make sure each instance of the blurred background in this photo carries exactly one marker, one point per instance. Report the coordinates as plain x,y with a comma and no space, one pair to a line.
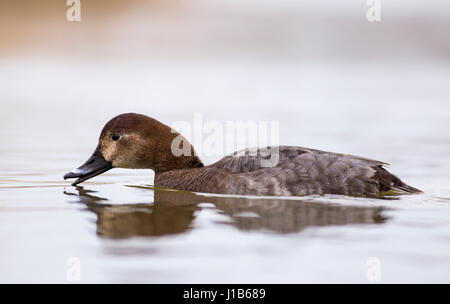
319,67
332,79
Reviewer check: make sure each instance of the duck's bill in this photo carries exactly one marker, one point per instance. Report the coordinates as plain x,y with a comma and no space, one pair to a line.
94,166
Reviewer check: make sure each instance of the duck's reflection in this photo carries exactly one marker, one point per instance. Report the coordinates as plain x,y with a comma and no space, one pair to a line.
173,212
120,221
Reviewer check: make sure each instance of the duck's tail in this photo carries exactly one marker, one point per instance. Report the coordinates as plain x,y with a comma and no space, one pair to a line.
406,189
391,184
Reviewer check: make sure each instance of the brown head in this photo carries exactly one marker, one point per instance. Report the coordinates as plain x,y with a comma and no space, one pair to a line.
135,141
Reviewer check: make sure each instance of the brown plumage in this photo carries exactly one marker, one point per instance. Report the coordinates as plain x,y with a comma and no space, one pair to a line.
146,143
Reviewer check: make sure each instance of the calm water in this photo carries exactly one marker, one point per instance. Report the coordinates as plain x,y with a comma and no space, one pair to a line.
123,230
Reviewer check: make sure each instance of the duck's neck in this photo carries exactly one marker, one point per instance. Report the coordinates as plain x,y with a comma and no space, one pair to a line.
176,163
174,152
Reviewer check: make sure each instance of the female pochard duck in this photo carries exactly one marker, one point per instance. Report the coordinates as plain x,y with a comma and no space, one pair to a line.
137,141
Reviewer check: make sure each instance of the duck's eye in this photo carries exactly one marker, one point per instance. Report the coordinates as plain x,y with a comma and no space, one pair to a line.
115,137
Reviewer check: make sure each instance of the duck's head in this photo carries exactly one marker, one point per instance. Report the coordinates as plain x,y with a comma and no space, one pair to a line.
134,141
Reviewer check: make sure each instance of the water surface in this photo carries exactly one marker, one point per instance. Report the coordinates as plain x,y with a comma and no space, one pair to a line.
123,230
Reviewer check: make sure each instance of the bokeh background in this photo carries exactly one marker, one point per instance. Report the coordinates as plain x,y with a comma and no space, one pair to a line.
332,79
319,67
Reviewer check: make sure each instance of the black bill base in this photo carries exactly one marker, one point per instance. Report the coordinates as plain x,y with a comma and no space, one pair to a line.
94,166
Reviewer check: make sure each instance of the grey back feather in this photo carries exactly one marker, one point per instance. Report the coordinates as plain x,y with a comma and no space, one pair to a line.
300,171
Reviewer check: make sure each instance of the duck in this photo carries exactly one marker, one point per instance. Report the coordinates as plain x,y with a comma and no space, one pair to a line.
137,141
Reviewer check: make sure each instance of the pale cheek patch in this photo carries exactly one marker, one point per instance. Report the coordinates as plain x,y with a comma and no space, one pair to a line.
120,161
126,153
107,152
127,160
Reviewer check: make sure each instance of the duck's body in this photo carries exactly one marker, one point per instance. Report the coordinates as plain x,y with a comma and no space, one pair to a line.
300,171
147,143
